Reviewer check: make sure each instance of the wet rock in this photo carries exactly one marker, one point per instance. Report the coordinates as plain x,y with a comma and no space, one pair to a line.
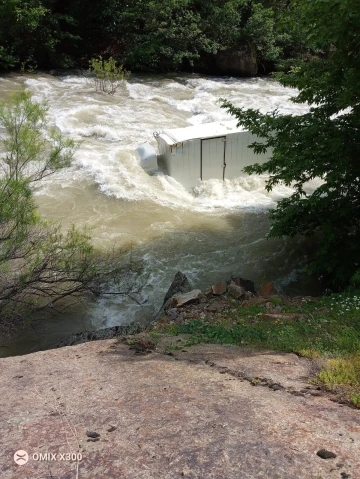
268,290
325,454
187,298
92,434
180,285
219,288
236,291
244,283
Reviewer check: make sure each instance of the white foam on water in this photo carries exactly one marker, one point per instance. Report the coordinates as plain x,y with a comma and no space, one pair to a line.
171,228
110,128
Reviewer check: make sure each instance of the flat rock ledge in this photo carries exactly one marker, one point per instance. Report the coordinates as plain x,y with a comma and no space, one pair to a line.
200,413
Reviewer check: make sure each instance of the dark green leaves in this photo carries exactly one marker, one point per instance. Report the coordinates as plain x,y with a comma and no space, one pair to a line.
323,144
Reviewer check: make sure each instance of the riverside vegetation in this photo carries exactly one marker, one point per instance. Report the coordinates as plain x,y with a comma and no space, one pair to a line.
106,75
162,35
322,143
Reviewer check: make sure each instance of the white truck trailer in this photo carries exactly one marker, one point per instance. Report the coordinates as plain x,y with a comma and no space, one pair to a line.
212,150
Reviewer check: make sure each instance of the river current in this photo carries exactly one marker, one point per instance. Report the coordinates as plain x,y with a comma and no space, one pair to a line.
216,230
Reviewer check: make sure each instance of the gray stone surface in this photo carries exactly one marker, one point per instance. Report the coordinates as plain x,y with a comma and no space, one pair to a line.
236,291
180,284
219,288
187,415
180,300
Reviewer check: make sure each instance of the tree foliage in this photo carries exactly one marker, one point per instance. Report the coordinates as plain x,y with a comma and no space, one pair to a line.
35,32
106,75
321,144
40,266
153,35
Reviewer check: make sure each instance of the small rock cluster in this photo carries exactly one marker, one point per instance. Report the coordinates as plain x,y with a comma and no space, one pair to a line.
182,303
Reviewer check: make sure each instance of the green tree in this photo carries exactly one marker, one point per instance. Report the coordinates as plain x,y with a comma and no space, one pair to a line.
106,75
323,143
35,32
145,34
160,35
41,267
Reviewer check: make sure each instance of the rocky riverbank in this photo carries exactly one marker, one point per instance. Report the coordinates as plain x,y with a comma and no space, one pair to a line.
183,303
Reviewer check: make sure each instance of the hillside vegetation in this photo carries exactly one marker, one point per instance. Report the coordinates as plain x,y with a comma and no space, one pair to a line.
163,35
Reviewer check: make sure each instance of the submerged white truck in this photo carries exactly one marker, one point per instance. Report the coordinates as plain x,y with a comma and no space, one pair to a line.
211,150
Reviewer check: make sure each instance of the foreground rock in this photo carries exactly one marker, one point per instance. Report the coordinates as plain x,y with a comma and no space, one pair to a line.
179,285
181,300
200,413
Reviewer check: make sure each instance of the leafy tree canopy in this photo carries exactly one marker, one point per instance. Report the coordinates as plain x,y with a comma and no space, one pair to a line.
323,143
145,34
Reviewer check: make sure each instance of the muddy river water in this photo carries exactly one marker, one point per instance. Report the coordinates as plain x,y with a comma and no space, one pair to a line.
209,233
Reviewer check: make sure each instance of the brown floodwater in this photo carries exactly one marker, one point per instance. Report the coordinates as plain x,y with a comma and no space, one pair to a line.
209,233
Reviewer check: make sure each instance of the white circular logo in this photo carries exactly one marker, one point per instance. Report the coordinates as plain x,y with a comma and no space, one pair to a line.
21,457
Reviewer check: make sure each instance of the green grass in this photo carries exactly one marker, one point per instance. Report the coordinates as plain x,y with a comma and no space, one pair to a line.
328,331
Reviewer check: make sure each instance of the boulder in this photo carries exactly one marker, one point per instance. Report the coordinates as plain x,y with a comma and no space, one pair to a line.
236,291
267,290
180,300
219,288
180,284
244,283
